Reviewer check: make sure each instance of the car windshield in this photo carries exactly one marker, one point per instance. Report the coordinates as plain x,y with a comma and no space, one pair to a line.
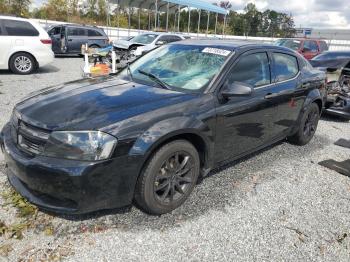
181,67
290,43
144,38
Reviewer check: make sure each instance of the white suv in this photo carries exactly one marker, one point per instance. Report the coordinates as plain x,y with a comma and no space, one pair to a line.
24,45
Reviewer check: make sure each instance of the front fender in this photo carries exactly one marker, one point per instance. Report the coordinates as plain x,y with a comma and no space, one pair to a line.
166,129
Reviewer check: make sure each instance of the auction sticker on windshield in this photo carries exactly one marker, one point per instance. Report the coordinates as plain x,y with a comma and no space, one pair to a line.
216,51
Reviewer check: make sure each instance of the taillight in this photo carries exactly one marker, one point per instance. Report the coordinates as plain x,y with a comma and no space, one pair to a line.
46,41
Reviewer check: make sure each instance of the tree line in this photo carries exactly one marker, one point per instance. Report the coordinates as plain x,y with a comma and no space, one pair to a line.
251,22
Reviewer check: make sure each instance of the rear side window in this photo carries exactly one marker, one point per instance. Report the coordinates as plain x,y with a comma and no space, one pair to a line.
311,46
19,28
252,69
285,66
1,31
94,33
74,31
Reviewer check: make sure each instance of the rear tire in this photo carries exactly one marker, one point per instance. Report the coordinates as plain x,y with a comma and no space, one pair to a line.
307,127
168,178
22,63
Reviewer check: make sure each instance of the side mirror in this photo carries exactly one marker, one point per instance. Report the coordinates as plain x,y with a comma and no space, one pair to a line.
160,42
236,89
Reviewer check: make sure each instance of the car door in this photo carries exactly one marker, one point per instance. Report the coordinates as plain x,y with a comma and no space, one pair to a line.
56,37
310,49
244,123
76,37
290,91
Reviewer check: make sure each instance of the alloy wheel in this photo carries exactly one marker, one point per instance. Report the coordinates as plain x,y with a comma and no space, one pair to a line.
174,178
23,64
311,123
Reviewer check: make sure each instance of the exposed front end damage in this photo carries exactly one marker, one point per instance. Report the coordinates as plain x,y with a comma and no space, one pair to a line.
338,87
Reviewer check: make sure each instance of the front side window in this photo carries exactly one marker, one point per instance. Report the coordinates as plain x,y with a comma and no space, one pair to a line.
19,28
181,67
310,46
252,69
285,66
55,31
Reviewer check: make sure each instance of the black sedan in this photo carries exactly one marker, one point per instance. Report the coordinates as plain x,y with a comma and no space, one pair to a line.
336,64
146,134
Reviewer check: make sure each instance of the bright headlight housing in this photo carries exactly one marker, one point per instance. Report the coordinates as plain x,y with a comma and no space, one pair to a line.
80,145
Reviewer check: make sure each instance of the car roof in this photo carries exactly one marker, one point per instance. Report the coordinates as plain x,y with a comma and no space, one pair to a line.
13,18
302,39
81,26
229,44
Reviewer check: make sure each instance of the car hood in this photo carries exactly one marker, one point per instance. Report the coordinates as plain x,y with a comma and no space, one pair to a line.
93,103
124,44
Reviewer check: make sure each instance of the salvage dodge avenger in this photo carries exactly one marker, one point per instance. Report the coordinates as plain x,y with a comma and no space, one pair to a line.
146,134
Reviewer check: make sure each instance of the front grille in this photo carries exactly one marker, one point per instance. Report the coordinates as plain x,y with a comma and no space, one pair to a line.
31,139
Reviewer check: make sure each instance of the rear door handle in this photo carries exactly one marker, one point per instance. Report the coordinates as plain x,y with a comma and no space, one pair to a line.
271,95
305,85
70,40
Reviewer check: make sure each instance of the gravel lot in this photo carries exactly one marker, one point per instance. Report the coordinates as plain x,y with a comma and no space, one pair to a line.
278,205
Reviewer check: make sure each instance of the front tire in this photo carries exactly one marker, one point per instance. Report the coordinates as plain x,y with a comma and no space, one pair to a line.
22,63
168,178
307,127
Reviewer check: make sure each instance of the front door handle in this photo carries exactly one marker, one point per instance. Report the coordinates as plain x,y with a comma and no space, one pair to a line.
305,85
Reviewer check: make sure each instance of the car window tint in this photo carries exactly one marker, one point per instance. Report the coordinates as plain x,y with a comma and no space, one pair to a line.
311,46
19,28
73,31
285,66
1,31
94,33
252,69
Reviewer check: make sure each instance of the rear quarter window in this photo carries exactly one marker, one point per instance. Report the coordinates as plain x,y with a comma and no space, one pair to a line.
285,66
94,33
323,46
19,28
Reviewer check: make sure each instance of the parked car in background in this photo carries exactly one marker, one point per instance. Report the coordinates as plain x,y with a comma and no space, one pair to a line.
146,42
337,66
68,38
146,134
309,48
24,45
129,50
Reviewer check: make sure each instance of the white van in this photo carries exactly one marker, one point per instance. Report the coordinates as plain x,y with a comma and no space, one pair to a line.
24,45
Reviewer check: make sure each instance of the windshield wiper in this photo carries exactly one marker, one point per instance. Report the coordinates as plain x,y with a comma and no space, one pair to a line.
155,79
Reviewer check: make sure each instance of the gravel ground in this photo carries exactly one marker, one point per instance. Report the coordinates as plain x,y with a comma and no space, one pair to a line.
277,205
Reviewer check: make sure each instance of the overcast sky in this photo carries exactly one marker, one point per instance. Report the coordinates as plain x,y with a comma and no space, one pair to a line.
307,13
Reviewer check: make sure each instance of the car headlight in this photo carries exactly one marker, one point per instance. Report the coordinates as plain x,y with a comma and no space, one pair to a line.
80,145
